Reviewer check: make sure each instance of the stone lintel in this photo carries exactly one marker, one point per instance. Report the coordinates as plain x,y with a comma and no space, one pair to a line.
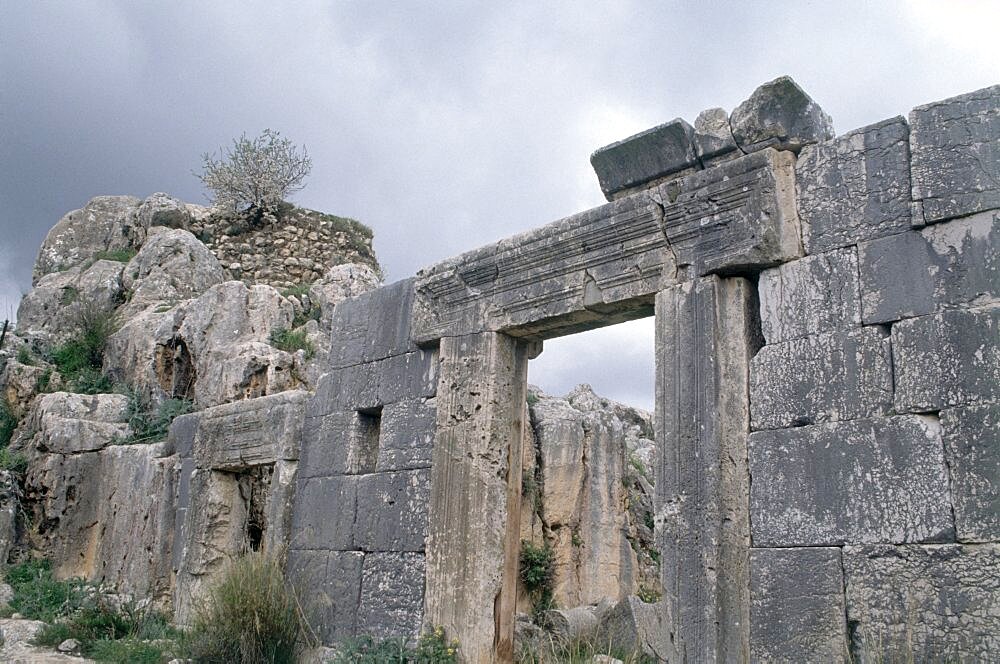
705,337
606,264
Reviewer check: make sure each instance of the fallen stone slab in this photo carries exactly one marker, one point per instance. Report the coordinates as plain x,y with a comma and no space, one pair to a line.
779,114
649,155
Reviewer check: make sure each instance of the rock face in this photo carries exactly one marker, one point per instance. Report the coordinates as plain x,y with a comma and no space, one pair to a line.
588,495
779,114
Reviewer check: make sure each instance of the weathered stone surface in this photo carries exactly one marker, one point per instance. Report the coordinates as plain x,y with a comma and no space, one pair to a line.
10,505
331,581
956,155
948,359
392,511
392,595
781,115
162,209
16,646
647,156
605,265
581,481
475,501
565,625
972,446
106,223
855,187
146,354
943,266
71,423
373,326
812,295
704,341
171,266
713,137
251,432
114,521
797,605
937,603
51,310
821,378
339,283
406,440
324,514
880,480
634,626
20,383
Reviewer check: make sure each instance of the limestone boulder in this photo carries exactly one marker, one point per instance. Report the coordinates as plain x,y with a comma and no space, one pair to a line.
634,626
48,313
20,383
339,283
105,223
713,136
10,505
781,115
171,266
146,354
67,423
162,209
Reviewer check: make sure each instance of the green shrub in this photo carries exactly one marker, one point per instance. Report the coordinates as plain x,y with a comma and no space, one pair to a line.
24,356
298,290
537,571
150,424
291,341
313,313
117,255
580,650
14,462
39,596
125,651
649,595
251,616
91,381
8,422
432,648
79,360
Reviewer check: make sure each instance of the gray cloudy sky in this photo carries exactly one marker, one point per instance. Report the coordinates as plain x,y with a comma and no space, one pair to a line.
442,125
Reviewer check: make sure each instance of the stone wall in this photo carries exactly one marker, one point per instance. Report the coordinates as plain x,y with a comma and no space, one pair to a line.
875,452
289,247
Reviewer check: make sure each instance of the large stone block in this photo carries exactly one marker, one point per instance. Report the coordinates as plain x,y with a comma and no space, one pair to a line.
812,295
972,444
855,187
327,445
324,512
881,480
705,337
406,440
251,432
372,326
779,114
392,595
67,423
821,378
648,155
329,585
948,359
923,603
956,155
946,265
392,511
713,138
797,605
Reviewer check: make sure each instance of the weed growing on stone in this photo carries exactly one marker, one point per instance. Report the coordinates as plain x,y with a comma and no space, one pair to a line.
38,595
8,422
117,255
580,650
24,356
150,424
537,572
432,648
297,290
251,616
80,359
292,341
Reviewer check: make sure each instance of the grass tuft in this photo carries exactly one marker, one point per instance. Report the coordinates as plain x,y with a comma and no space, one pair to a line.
80,359
292,341
432,648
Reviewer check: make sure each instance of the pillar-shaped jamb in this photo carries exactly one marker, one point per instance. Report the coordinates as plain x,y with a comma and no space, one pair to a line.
472,543
705,338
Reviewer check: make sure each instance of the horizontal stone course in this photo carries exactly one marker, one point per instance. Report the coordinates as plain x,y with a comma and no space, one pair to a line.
821,378
855,187
324,513
946,265
797,605
372,326
947,359
811,295
972,445
874,480
936,603
956,155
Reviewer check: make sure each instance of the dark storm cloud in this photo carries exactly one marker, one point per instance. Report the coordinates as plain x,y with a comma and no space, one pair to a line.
441,125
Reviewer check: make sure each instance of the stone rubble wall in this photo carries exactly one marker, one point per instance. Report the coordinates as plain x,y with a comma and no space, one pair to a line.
875,452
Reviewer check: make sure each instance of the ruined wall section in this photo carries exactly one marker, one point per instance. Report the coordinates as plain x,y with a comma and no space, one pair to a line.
359,520
875,403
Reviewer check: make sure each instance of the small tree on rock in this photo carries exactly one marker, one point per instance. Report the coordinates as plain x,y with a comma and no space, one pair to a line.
256,172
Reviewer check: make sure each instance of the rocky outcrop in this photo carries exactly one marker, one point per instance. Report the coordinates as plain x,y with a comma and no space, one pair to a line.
588,495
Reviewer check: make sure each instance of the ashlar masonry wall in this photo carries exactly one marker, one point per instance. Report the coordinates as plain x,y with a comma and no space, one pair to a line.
828,395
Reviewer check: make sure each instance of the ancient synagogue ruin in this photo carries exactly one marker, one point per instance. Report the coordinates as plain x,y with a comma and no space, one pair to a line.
827,425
